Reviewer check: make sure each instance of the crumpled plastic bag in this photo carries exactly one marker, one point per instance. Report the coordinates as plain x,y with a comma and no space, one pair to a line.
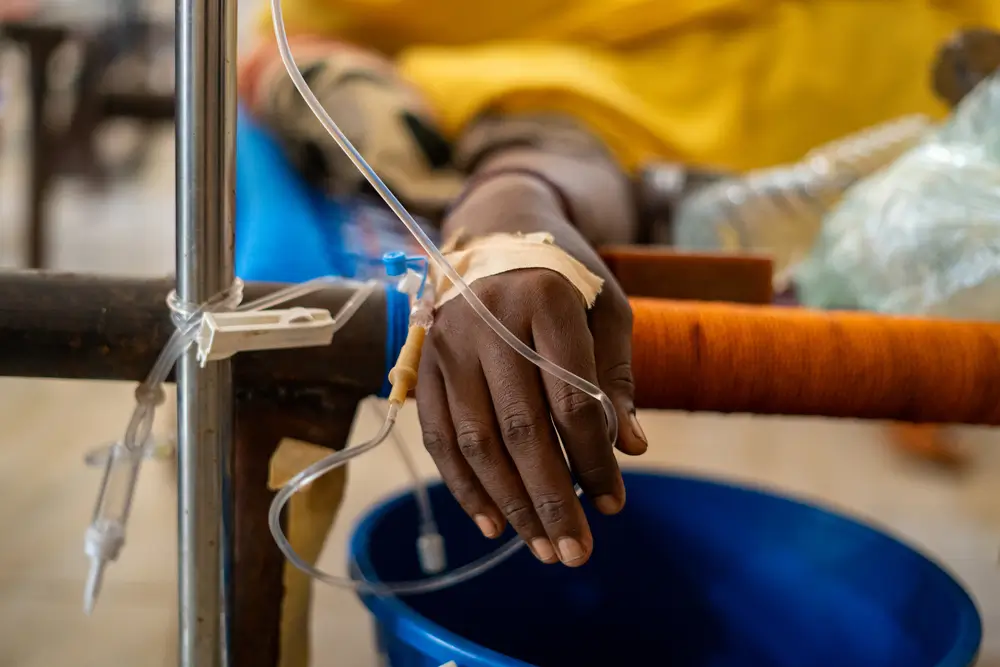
922,236
779,211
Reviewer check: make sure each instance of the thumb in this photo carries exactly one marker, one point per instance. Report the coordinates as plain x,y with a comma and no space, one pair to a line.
611,327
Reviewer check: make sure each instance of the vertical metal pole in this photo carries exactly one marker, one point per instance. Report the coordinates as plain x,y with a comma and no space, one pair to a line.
206,136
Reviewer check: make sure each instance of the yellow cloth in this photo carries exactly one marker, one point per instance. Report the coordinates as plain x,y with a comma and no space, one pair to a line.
311,514
727,83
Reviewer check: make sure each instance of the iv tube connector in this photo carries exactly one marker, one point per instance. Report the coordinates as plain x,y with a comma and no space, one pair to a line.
403,376
102,545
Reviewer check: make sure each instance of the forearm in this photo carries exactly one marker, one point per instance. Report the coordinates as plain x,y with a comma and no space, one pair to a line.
515,203
586,180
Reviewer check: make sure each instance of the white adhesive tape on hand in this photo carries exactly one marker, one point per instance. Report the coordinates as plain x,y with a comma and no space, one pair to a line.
499,253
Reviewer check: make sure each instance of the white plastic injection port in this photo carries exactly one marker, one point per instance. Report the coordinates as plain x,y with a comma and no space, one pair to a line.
410,283
102,544
430,548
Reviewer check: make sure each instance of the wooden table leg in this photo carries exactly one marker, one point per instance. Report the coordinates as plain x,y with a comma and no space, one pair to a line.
258,565
42,147
927,442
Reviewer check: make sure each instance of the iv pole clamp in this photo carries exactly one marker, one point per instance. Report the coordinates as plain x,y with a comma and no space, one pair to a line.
206,146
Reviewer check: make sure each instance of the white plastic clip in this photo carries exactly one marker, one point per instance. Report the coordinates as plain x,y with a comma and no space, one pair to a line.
430,549
410,283
224,334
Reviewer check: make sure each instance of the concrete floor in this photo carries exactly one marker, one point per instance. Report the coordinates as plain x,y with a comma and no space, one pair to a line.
48,492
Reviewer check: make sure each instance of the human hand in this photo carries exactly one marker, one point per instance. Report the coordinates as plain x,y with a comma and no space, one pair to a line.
493,421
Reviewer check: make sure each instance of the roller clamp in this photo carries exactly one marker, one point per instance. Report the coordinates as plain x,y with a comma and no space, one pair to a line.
224,334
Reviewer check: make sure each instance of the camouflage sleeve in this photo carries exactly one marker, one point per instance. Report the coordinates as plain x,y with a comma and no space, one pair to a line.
554,133
384,117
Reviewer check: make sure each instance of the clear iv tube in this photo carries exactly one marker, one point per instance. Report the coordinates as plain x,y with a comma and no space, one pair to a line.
432,251
334,461
340,458
106,534
420,494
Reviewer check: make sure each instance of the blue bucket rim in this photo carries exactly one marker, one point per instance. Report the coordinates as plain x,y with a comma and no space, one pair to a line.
436,641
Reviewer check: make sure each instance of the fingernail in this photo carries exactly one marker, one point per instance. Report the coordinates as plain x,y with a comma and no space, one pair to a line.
543,550
570,550
637,429
608,504
486,525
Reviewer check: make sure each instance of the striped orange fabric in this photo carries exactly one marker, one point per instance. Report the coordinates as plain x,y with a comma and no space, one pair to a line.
770,360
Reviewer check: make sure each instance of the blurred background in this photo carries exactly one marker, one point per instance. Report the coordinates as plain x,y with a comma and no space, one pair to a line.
107,206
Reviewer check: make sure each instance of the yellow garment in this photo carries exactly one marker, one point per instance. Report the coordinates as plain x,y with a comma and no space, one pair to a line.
728,83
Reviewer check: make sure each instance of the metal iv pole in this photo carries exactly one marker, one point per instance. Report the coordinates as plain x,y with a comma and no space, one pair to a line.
206,146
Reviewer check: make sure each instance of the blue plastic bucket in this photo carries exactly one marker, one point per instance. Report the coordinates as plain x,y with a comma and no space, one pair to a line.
693,573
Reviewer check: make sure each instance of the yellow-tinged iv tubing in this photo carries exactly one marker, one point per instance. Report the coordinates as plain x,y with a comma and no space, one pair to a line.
403,377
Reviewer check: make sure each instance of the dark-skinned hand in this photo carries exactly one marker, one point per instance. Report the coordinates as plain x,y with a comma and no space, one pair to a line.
493,422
